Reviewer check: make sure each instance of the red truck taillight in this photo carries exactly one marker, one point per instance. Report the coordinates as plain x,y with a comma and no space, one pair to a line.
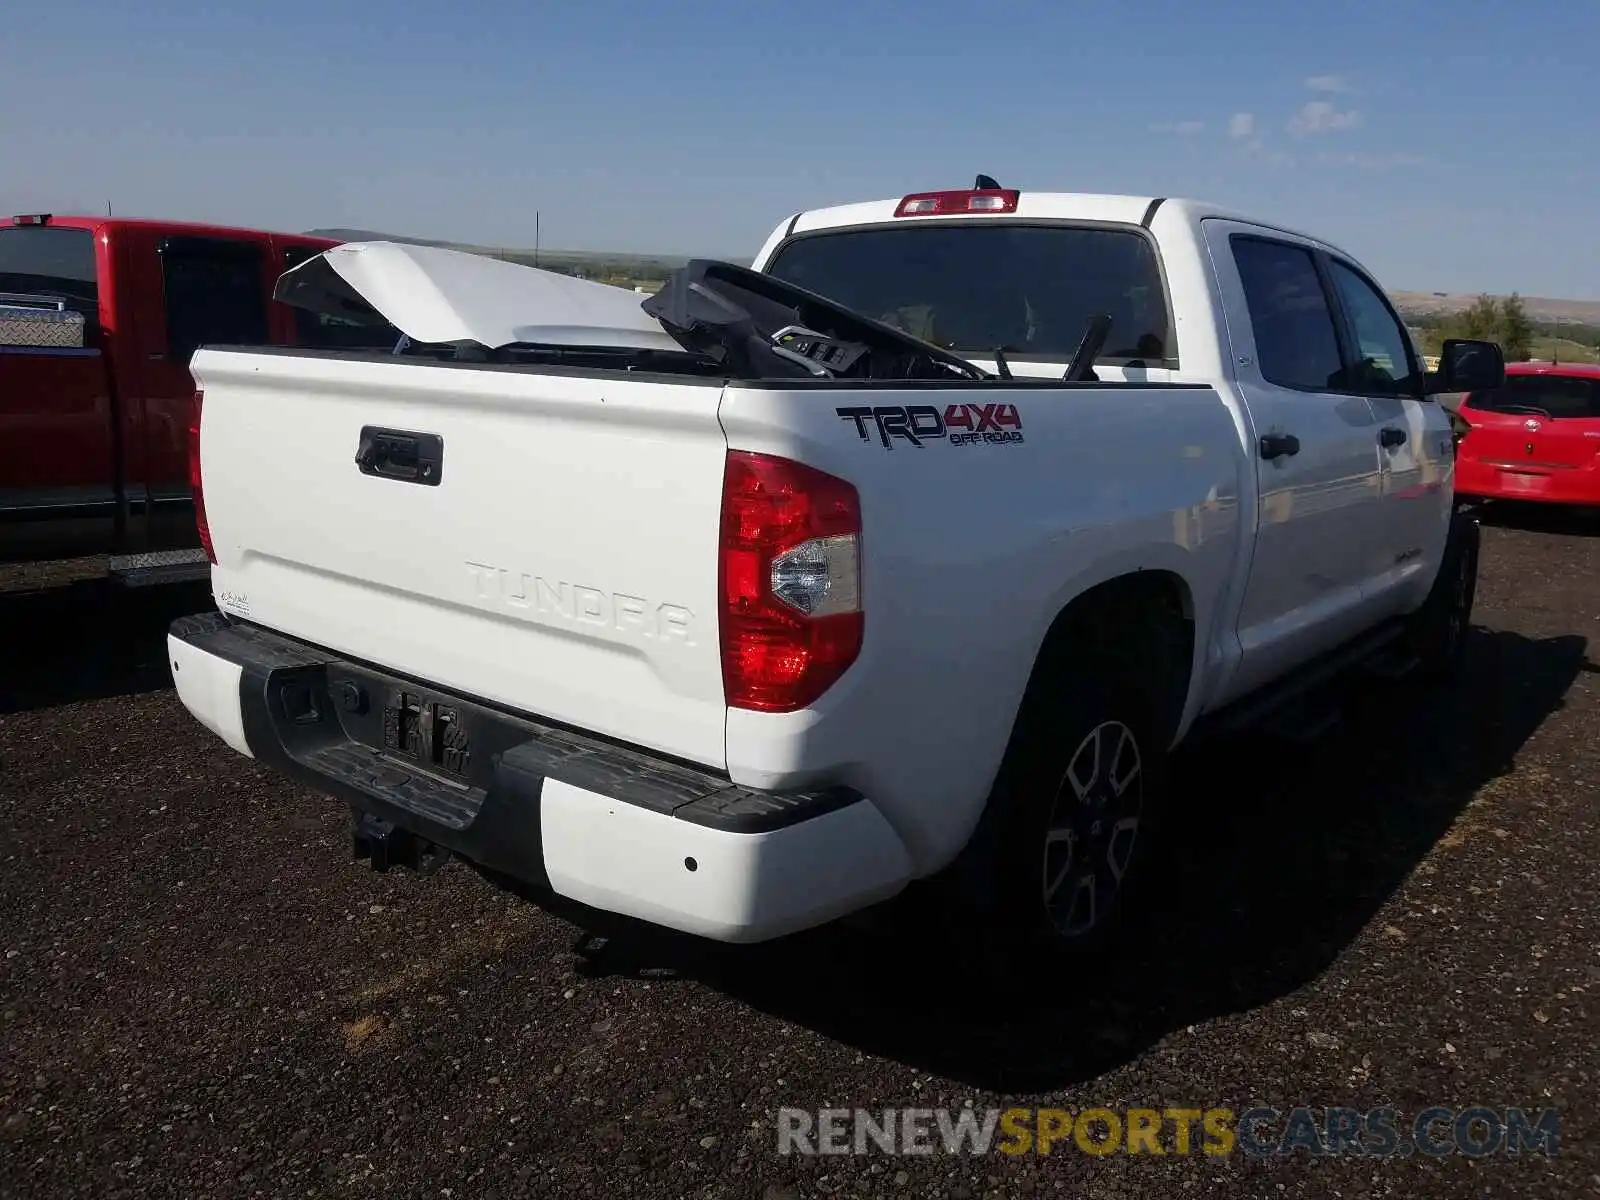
945,204
196,482
789,579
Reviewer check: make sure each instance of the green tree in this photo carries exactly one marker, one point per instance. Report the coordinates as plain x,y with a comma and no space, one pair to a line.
1480,321
1515,330
1504,321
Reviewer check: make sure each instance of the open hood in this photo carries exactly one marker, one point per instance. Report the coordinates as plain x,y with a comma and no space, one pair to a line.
435,295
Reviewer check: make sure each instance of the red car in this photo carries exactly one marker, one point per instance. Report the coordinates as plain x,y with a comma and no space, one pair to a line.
1536,438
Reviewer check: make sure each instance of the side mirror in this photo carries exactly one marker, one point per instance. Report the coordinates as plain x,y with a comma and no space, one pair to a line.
1467,366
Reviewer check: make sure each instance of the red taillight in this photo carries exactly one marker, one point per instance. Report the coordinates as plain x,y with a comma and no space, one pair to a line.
196,482
945,204
789,575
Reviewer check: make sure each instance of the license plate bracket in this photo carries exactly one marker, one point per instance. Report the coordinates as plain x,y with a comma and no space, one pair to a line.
426,730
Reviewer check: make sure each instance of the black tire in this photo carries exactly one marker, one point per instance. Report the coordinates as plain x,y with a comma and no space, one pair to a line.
1439,628
1072,829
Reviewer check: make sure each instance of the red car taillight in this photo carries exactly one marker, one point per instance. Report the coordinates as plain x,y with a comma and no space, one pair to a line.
196,482
789,579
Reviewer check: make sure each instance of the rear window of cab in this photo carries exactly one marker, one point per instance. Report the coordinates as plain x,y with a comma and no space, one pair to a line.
41,260
971,288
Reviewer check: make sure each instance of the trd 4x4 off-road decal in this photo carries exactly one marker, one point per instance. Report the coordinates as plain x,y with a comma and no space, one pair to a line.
959,424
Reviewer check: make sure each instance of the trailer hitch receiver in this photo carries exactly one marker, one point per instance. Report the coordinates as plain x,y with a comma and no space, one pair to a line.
384,845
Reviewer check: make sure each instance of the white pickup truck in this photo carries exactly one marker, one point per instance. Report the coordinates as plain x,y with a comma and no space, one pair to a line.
909,554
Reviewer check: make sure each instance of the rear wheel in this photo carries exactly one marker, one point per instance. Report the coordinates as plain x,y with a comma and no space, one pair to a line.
1092,829
1078,801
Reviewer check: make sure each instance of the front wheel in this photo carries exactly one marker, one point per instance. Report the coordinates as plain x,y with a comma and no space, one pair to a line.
1439,628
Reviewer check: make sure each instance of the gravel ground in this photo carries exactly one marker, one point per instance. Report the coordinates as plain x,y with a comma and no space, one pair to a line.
202,996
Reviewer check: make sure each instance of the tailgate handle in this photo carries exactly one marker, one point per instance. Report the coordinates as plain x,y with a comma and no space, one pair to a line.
401,455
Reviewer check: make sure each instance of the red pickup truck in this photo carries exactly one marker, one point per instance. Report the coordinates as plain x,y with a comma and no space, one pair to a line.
98,320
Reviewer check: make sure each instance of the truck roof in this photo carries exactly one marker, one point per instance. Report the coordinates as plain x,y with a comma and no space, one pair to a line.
1058,206
107,224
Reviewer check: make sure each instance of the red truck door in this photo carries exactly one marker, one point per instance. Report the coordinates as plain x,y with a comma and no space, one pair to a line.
190,289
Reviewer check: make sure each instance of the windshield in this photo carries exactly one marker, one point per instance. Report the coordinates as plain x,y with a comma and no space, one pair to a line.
1555,395
38,260
970,288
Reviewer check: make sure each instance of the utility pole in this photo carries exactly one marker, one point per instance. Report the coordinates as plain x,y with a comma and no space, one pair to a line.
536,237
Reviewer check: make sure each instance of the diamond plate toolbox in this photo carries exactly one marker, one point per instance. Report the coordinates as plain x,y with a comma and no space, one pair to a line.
44,323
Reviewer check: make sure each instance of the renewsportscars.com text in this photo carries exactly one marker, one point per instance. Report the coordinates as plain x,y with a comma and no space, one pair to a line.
1474,1132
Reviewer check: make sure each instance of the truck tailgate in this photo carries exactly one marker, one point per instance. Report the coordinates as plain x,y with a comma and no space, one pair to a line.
561,559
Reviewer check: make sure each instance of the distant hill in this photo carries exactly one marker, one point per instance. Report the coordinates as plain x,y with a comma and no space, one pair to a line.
611,266
1539,308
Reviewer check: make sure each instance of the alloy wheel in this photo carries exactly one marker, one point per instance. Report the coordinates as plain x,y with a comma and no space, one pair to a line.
1093,827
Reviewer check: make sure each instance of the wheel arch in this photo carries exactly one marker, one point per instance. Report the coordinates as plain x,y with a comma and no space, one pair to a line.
1141,619
1100,626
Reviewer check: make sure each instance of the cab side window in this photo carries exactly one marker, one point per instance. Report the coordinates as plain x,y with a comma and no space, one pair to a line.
215,294
1296,343
1384,364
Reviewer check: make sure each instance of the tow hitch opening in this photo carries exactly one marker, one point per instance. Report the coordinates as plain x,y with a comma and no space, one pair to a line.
384,845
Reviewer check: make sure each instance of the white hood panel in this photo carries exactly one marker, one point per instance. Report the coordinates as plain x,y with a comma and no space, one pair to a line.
432,294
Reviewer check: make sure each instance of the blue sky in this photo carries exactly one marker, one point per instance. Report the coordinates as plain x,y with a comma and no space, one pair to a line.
1451,147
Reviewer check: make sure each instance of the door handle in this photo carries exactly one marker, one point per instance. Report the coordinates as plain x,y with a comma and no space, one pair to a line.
1274,444
1390,437
401,455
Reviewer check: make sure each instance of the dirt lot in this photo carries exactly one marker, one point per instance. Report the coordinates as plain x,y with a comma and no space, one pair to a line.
200,994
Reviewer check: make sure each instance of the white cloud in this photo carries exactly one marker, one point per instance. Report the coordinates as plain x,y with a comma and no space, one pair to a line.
1182,128
1373,162
1257,150
1241,125
1319,116
1328,83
